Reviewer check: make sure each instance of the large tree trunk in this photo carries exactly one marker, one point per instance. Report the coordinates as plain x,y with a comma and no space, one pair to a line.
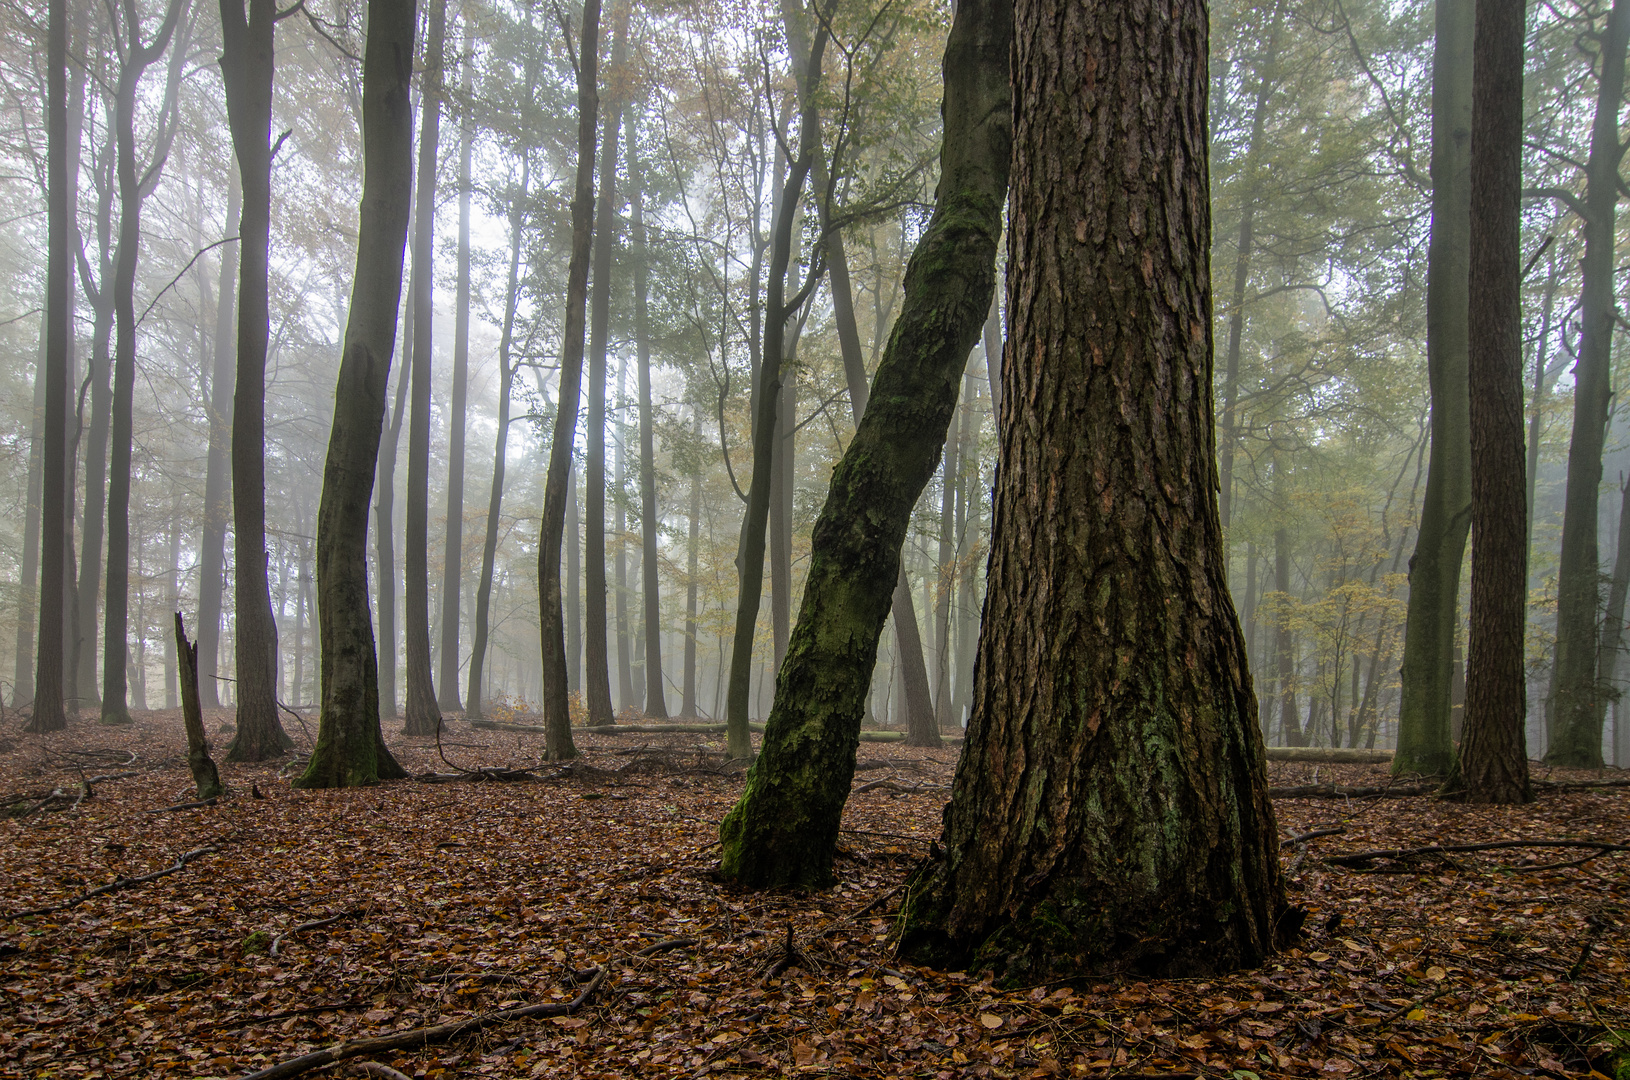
656,698
422,715
48,713
1440,543
217,475
1110,810
247,67
785,827
597,687
557,720
350,748
115,641
473,699
1493,762
1576,705
755,521
453,547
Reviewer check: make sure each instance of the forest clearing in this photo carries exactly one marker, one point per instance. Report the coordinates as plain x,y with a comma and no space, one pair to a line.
326,916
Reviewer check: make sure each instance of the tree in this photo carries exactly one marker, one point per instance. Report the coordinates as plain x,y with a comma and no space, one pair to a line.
1577,704
48,713
784,829
557,719
1110,809
1492,765
423,715
656,703
1440,544
246,69
137,59
217,482
350,748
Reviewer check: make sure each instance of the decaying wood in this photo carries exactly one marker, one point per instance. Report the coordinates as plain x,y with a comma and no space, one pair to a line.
423,1036
663,946
205,777
1327,755
115,886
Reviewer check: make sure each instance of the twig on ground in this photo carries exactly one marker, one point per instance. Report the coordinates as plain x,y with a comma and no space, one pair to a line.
1302,838
664,946
277,942
1404,1010
115,886
374,1068
211,801
423,1036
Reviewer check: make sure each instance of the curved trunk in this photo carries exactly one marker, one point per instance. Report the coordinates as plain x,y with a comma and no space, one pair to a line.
350,748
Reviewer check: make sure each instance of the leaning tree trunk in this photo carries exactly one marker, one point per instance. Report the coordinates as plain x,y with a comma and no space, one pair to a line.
1575,707
1110,810
1493,762
452,567
785,827
656,698
48,712
422,714
350,748
597,687
1424,744
247,66
217,474
557,720
473,698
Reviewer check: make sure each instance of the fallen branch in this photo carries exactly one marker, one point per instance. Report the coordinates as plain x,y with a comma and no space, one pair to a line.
277,942
894,785
211,801
1405,1010
1365,858
664,946
1335,791
115,886
374,1068
112,776
1327,755
423,1036
1302,838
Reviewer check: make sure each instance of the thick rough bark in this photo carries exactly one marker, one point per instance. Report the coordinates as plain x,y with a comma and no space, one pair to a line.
48,713
1576,695
115,641
421,713
217,475
597,688
350,748
656,698
557,720
1493,762
473,699
1110,810
206,779
1440,544
452,567
247,67
784,829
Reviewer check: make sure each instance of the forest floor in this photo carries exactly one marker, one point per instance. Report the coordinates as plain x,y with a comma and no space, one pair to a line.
316,917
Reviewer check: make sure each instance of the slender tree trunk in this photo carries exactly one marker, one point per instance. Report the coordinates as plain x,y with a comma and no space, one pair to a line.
48,712
1110,809
750,550
115,641
574,584
385,523
970,547
625,670
1575,707
785,827
172,599
1440,543
217,476
945,580
453,547
1285,642
556,708
248,68
687,706
1612,643
656,698
206,780
1543,378
473,701
922,728
350,748
422,715
597,688
1493,762
22,686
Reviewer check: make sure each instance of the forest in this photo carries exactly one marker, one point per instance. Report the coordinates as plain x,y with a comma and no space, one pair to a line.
994,538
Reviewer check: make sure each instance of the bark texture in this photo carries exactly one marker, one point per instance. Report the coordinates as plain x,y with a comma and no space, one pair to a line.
784,829
1493,762
1440,544
557,720
350,748
205,777
1110,810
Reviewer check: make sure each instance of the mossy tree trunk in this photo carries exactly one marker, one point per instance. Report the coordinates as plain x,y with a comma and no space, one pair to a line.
557,719
350,748
1492,766
1424,744
1110,810
785,827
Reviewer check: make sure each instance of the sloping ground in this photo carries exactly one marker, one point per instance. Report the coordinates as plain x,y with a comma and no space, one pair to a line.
447,900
